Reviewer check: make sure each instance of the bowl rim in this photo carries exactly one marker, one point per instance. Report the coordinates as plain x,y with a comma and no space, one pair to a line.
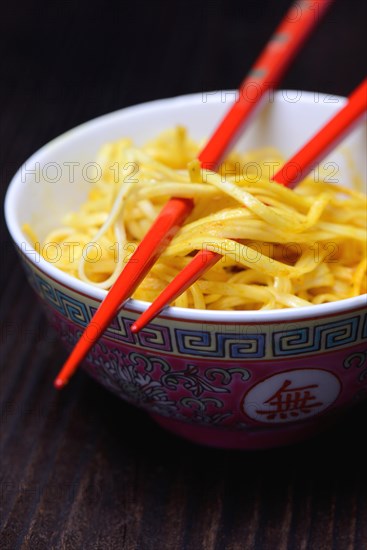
172,312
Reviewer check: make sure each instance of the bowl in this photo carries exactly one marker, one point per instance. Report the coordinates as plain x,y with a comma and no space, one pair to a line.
241,380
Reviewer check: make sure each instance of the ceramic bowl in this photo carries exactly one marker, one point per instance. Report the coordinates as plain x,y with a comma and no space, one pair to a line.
230,379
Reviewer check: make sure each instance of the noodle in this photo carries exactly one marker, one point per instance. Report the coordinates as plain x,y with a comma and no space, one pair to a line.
280,248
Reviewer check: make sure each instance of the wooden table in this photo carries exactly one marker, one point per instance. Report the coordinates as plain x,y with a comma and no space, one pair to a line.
80,468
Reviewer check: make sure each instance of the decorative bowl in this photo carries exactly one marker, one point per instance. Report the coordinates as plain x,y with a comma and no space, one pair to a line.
244,380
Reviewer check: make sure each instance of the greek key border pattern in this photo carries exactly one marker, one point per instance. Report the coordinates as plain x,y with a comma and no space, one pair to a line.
209,344
206,343
312,339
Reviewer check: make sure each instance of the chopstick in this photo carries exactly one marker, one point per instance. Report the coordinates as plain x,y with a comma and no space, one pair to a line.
292,172
266,73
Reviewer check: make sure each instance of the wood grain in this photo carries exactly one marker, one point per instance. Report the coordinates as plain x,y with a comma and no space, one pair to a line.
81,469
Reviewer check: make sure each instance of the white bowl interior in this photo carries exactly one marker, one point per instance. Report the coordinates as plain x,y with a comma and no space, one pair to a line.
56,179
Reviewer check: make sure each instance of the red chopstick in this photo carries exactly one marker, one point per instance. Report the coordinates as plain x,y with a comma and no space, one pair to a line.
287,40
293,171
264,75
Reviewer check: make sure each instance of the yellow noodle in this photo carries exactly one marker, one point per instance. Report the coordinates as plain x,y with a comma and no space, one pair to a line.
280,248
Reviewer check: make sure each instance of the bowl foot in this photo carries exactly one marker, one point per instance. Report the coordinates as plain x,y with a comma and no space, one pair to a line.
251,439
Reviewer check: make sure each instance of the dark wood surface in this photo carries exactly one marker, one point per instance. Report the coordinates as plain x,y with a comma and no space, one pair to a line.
80,468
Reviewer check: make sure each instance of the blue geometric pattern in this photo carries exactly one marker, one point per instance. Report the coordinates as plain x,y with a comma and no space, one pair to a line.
311,339
207,344
308,338
364,329
119,329
73,309
157,337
